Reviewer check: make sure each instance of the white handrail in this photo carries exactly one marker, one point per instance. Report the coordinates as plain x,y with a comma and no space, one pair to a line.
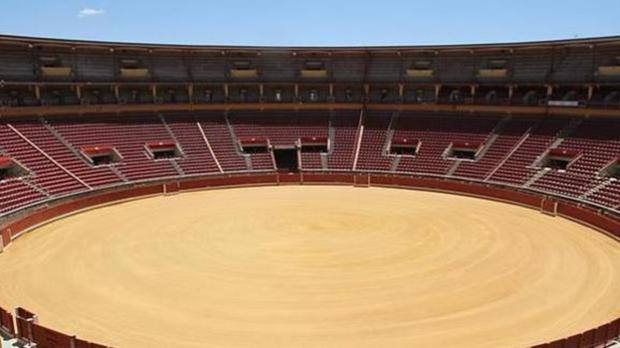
358,143
49,157
204,137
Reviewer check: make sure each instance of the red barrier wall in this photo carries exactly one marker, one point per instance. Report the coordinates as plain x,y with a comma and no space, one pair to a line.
48,338
332,178
473,189
223,181
85,344
6,236
285,178
23,328
568,209
24,313
79,203
171,187
591,217
362,180
549,206
6,322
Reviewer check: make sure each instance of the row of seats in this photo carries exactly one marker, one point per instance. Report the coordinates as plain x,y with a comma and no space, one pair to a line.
49,148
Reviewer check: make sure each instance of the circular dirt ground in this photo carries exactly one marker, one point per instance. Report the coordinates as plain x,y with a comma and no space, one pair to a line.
314,267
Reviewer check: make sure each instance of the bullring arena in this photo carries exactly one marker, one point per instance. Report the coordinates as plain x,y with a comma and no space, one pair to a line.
294,266
205,196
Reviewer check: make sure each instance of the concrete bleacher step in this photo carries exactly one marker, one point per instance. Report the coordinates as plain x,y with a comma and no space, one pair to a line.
390,131
539,174
493,135
453,168
177,167
324,161
395,163
233,136
248,162
118,173
36,187
596,189
560,136
171,133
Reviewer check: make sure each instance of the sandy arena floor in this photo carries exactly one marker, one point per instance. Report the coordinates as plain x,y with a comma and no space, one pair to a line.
314,267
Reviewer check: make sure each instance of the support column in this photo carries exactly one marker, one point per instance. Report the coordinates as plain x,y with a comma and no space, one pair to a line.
549,91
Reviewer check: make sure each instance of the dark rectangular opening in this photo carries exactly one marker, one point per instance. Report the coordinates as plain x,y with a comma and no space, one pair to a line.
400,150
404,146
99,160
464,154
560,158
612,170
464,150
101,154
557,163
286,160
163,149
8,173
164,154
10,169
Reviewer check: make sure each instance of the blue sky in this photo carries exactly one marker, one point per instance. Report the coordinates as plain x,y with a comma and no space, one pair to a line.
311,22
